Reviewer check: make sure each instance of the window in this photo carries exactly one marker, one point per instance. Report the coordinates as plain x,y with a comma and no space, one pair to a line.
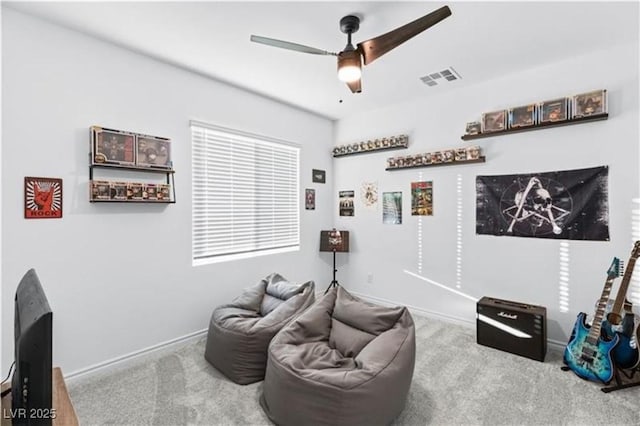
245,195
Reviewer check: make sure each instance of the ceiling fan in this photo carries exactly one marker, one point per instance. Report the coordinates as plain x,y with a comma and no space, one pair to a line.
351,58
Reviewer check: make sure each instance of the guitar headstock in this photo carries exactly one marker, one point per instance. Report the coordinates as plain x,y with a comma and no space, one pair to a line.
615,270
635,252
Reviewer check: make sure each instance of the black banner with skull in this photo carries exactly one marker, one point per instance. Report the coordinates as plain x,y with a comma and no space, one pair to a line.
570,205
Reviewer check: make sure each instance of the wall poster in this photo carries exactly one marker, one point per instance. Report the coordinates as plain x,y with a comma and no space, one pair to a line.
369,194
392,208
310,199
569,204
42,198
422,198
346,203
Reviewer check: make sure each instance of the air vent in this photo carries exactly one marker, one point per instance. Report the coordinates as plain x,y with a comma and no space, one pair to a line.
448,74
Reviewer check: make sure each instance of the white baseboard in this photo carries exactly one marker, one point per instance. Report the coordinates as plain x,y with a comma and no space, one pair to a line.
418,311
122,360
553,344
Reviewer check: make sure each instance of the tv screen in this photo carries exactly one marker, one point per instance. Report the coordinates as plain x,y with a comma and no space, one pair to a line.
31,382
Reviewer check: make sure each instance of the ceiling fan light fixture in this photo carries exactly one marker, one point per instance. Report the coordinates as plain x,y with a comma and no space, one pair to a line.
349,66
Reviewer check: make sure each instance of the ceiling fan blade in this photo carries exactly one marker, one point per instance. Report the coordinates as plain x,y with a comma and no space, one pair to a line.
374,48
290,46
355,86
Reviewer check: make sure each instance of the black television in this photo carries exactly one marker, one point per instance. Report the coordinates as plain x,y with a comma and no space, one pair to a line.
31,382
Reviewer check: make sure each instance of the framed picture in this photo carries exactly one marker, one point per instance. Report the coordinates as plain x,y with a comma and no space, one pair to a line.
346,203
110,146
473,128
590,103
523,116
369,193
42,198
494,121
153,152
461,154
318,176
554,110
392,208
310,199
422,198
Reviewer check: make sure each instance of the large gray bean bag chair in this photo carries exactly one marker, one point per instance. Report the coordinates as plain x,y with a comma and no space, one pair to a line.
342,362
240,332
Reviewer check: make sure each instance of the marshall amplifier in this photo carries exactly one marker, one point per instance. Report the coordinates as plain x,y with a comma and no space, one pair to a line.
513,327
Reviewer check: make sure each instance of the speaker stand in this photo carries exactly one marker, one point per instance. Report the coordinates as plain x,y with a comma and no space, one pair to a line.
334,282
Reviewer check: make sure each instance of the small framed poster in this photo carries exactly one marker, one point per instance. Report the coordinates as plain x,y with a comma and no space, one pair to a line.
310,199
42,198
318,176
346,203
392,208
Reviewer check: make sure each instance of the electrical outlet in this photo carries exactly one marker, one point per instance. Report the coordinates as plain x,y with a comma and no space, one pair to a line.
369,278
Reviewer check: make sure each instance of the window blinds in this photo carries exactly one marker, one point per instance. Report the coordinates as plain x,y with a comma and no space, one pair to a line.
245,193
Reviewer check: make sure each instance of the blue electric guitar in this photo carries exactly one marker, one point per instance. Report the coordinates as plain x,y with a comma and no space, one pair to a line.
587,354
624,355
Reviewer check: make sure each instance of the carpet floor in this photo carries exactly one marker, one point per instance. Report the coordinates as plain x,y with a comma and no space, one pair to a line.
456,382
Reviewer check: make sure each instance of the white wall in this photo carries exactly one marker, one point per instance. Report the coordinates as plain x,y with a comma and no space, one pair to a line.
522,269
119,277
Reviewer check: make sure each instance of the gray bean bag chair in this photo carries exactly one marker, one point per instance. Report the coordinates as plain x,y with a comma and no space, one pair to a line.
240,332
342,362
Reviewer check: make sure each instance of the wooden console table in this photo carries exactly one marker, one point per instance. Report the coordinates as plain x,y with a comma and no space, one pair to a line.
65,413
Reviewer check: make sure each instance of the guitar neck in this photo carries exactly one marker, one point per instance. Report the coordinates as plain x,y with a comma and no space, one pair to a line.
594,333
624,286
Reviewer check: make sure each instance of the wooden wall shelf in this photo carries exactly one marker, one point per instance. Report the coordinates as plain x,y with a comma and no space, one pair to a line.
369,146
370,151
581,120
482,159
169,173
132,168
134,201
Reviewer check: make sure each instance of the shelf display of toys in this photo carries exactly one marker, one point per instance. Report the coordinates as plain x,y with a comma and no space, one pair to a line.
129,191
393,142
581,108
470,154
119,152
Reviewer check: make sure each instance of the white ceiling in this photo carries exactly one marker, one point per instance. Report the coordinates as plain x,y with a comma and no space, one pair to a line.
481,40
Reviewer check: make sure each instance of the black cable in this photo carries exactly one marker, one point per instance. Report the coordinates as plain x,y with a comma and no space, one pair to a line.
9,375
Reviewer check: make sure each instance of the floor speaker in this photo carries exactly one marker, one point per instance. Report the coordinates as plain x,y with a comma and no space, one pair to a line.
513,327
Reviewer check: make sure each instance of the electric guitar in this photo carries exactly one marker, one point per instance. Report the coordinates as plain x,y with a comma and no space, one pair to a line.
624,355
587,354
